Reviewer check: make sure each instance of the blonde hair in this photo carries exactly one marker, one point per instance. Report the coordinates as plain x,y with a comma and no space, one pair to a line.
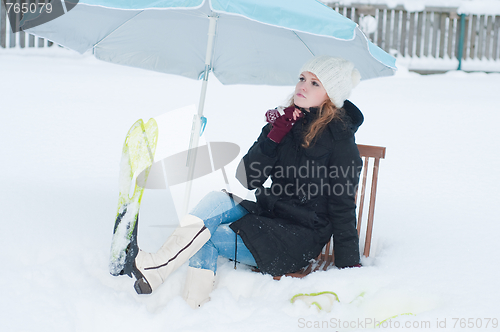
326,113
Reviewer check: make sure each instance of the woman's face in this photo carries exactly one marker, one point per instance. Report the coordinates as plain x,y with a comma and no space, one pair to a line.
309,91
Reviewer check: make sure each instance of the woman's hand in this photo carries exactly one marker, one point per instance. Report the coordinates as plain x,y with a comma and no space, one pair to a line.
282,121
272,115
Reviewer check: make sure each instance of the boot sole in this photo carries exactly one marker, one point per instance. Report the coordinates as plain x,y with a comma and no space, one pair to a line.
141,285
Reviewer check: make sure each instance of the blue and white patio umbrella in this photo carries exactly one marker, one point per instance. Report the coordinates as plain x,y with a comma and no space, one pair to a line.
239,41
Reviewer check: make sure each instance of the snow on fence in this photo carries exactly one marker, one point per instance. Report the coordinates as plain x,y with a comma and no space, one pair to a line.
21,39
435,32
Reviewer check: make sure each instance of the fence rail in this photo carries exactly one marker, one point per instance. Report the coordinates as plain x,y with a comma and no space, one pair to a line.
435,32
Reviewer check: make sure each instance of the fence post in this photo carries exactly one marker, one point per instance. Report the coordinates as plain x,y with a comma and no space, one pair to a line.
461,41
3,25
12,35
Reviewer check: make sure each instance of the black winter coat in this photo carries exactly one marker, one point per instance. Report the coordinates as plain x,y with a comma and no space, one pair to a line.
311,196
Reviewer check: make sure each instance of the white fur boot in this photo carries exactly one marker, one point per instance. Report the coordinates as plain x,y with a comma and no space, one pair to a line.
199,285
151,270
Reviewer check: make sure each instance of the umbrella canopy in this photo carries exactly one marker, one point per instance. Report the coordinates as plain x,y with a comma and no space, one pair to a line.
256,41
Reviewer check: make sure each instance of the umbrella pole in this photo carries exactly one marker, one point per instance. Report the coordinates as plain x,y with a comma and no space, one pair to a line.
195,129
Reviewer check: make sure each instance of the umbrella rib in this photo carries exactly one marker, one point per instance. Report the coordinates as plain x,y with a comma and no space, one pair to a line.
303,43
118,27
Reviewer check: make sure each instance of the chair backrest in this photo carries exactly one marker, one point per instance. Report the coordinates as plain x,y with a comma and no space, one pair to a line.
326,258
376,153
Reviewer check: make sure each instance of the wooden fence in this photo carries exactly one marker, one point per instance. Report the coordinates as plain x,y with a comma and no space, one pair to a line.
435,32
8,39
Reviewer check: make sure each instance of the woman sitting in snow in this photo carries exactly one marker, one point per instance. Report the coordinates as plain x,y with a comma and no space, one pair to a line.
308,150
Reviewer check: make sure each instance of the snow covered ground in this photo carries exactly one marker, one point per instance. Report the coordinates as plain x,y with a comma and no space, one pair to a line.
63,121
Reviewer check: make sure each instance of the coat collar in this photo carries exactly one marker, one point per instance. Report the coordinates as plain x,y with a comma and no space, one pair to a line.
349,122
340,128
309,114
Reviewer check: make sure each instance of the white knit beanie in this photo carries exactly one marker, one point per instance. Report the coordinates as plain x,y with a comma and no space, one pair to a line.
337,75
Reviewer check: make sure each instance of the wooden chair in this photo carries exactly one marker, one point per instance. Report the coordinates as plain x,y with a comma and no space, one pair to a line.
326,258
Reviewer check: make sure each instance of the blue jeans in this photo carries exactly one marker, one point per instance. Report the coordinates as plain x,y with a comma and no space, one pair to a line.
218,210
